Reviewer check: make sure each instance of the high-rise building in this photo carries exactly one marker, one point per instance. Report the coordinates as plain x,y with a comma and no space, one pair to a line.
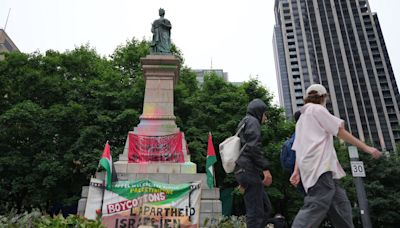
338,43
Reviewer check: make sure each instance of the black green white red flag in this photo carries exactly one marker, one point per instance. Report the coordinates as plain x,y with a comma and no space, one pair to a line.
211,160
106,163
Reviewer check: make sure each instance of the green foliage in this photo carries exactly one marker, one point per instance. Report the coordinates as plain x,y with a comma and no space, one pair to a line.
58,109
381,185
39,220
126,58
70,221
13,219
217,107
382,188
226,222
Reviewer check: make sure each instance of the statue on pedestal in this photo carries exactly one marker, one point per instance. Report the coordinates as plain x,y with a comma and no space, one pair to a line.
154,158
161,29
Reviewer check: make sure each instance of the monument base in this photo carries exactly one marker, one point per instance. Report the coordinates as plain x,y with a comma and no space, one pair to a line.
126,168
210,205
161,73
156,152
125,155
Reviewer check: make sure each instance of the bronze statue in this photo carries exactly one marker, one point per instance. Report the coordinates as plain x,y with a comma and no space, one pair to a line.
161,29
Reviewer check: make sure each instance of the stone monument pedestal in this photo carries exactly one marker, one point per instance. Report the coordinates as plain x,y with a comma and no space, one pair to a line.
161,74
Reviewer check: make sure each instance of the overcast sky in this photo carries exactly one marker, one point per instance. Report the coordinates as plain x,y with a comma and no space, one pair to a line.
234,35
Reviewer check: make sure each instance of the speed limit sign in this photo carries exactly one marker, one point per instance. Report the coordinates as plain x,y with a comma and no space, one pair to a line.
357,168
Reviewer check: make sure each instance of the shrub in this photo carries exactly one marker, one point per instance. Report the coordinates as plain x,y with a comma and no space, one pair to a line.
39,220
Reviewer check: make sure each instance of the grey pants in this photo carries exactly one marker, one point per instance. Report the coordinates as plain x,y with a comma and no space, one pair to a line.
326,197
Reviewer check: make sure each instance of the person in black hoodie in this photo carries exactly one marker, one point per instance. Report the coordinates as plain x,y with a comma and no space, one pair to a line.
252,168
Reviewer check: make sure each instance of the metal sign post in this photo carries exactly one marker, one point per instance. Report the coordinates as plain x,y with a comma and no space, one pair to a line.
357,169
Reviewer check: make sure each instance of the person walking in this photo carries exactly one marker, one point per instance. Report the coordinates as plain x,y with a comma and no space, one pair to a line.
252,168
318,165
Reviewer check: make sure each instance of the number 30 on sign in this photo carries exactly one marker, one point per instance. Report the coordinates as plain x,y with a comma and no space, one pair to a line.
357,168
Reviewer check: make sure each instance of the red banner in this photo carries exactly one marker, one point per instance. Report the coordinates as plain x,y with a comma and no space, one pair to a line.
155,148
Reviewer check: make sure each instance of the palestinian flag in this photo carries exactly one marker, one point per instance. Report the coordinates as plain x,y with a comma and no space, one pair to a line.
106,163
211,159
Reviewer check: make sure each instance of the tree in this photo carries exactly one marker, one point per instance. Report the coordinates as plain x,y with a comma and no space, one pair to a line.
382,187
58,109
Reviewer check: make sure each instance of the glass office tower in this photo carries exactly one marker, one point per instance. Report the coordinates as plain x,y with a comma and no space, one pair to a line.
338,43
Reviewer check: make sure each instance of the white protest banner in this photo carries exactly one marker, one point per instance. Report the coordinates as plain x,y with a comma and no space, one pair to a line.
146,202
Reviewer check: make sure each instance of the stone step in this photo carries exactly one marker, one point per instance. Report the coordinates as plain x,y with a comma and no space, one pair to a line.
210,206
85,191
210,194
126,168
82,205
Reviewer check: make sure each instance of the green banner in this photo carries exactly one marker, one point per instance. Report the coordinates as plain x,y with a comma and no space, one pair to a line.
157,204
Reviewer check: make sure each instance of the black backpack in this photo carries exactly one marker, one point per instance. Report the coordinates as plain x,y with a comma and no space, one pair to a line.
288,156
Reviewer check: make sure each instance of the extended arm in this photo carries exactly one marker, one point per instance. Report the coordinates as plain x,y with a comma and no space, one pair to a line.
349,138
330,123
